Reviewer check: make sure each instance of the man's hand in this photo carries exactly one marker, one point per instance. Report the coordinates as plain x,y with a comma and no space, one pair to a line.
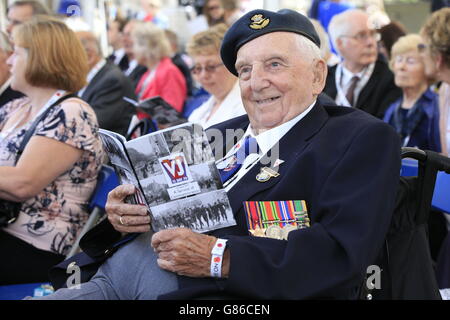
128,218
186,253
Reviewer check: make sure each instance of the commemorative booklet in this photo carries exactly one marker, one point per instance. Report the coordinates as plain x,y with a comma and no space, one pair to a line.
175,176
159,110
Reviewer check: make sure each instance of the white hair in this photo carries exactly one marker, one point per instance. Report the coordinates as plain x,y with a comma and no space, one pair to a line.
341,24
309,49
324,39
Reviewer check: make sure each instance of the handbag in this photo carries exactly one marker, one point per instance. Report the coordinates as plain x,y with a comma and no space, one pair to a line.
9,210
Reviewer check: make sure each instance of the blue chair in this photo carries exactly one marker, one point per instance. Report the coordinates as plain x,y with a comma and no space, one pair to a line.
107,180
441,196
410,168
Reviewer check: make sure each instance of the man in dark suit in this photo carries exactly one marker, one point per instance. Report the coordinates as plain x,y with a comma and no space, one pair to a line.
6,93
360,80
134,71
106,88
313,153
115,40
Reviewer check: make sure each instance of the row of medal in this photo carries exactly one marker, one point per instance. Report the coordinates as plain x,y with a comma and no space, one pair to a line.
276,219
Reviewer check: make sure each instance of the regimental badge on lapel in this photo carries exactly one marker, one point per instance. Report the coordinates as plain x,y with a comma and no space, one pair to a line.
266,174
259,22
276,219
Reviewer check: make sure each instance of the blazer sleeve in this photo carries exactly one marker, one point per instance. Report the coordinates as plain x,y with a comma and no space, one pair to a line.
354,208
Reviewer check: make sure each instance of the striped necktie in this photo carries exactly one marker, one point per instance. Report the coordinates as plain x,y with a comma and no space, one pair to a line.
249,146
351,90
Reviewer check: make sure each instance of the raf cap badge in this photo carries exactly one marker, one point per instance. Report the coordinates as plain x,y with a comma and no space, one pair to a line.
259,22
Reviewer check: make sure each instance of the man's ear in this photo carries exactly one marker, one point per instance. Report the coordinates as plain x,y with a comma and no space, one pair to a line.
320,71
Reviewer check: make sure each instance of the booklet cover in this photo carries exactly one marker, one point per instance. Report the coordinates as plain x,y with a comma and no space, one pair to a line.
175,175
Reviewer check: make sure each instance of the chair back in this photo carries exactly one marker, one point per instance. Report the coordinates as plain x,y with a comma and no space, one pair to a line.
441,196
107,180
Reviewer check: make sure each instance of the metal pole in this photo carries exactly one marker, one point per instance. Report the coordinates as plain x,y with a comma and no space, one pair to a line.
104,31
3,6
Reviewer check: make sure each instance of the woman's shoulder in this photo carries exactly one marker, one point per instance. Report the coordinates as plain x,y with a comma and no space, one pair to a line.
71,111
13,106
76,105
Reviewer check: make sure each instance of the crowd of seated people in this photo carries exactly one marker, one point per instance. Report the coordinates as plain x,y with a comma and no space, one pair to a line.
398,77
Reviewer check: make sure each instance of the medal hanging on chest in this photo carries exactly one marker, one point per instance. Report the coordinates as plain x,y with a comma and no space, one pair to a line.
276,219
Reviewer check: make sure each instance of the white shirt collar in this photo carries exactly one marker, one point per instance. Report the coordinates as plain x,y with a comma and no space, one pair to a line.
343,79
119,54
94,71
267,139
131,66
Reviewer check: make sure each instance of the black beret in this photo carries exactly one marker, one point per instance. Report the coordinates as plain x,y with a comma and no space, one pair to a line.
260,22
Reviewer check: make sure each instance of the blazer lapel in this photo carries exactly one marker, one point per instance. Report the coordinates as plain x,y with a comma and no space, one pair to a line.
289,148
92,85
368,88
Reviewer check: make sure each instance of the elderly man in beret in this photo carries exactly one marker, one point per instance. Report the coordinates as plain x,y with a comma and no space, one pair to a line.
322,157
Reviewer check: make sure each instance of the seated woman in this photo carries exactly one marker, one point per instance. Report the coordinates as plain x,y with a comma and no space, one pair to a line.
415,116
225,102
163,78
56,174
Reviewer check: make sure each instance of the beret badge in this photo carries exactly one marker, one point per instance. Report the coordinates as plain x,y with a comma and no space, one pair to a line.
259,22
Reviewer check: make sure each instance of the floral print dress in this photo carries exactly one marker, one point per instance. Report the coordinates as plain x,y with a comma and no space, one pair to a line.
52,219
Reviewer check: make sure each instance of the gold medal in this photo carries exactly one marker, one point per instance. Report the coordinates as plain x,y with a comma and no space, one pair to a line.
274,232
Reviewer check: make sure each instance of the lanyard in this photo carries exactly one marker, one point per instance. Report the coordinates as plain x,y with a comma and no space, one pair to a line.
56,96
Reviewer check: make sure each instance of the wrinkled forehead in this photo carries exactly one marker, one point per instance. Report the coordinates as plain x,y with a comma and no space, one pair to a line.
274,43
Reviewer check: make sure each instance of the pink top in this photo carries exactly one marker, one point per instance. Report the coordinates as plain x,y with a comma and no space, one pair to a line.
168,82
52,219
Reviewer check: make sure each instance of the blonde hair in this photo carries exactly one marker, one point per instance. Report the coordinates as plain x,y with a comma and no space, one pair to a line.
56,58
207,42
405,44
151,41
437,31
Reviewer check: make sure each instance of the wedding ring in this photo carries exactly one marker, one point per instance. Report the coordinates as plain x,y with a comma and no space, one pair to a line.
121,222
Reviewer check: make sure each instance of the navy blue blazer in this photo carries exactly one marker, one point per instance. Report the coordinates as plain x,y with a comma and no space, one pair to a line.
345,164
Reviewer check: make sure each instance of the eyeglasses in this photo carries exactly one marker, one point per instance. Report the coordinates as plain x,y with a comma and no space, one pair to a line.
364,35
406,59
209,69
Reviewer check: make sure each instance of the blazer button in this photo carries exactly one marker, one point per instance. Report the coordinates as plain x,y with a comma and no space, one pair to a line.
107,252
